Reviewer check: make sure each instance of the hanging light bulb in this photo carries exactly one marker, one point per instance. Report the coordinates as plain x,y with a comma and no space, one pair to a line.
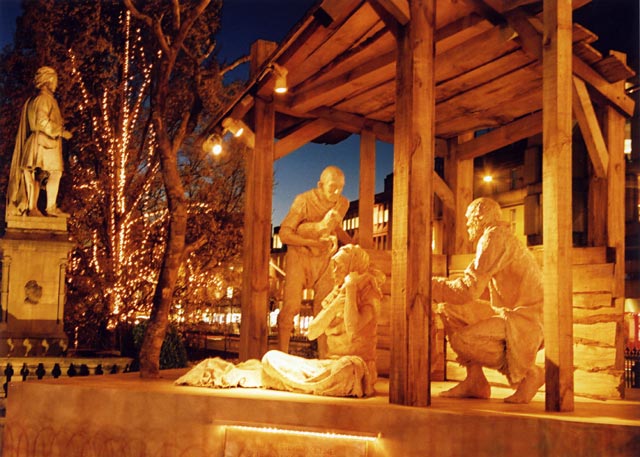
213,144
280,74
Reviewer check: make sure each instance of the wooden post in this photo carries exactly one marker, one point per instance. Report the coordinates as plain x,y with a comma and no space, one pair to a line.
614,128
459,175
414,140
257,223
367,188
556,205
614,131
596,209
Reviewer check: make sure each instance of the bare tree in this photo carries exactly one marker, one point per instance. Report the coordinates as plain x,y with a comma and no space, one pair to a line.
180,31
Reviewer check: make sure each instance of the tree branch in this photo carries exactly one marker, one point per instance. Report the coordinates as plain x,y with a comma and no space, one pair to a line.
176,14
188,23
155,24
192,247
239,61
182,131
137,14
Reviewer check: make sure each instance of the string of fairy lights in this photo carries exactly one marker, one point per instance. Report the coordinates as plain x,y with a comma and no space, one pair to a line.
114,138
128,254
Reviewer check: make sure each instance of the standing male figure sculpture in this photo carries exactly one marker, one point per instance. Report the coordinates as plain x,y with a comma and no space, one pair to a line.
37,155
506,332
310,232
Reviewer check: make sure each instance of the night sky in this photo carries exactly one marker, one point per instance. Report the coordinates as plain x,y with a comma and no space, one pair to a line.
244,21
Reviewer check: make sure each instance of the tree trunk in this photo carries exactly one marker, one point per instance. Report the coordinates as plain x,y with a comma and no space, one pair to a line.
168,147
174,251
163,296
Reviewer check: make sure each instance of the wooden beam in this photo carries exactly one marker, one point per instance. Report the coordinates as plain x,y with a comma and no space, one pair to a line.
614,132
386,16
556,207
242,107
614,67
459,176
479,49
487,11
614,128
528,36
478,76
306,133
332,91
531,43
344,120
257,224
398,9
412,208
588,122
367,188
382,130
503,136
257,227
511,4
617,98
352,57
443,191
596,211
318,32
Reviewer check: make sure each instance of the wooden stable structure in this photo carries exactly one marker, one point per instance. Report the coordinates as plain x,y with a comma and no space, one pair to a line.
426,75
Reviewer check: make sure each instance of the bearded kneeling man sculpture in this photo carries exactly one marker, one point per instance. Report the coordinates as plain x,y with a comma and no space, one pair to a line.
504,332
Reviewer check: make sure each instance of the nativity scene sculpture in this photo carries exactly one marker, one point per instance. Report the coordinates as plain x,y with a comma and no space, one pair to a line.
37,156
348,319
505,331
310,230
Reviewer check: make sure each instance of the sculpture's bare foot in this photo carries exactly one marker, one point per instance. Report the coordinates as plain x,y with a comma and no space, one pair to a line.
469,389
35,212
12,210
528,387
56,212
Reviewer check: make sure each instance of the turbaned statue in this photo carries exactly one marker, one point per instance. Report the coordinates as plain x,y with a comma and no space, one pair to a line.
37,155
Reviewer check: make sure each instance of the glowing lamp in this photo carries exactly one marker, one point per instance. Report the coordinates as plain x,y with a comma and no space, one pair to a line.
234,126
213,144
487,178
280,74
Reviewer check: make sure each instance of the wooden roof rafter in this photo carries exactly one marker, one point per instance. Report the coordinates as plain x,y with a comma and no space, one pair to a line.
350,58
333,90
342,58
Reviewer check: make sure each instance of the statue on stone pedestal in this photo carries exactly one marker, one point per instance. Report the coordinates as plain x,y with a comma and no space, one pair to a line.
310,231
37,155
504,332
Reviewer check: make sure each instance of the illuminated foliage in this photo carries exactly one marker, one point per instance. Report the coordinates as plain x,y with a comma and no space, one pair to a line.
115,184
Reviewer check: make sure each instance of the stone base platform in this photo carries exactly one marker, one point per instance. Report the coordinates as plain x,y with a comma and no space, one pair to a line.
125,416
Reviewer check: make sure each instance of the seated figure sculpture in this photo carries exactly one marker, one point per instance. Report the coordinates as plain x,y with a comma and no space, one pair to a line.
505,332
348,319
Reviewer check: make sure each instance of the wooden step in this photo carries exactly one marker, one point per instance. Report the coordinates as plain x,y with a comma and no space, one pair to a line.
581,256
593,278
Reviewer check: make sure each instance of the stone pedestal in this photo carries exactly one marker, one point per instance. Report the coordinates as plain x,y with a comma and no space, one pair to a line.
33,254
